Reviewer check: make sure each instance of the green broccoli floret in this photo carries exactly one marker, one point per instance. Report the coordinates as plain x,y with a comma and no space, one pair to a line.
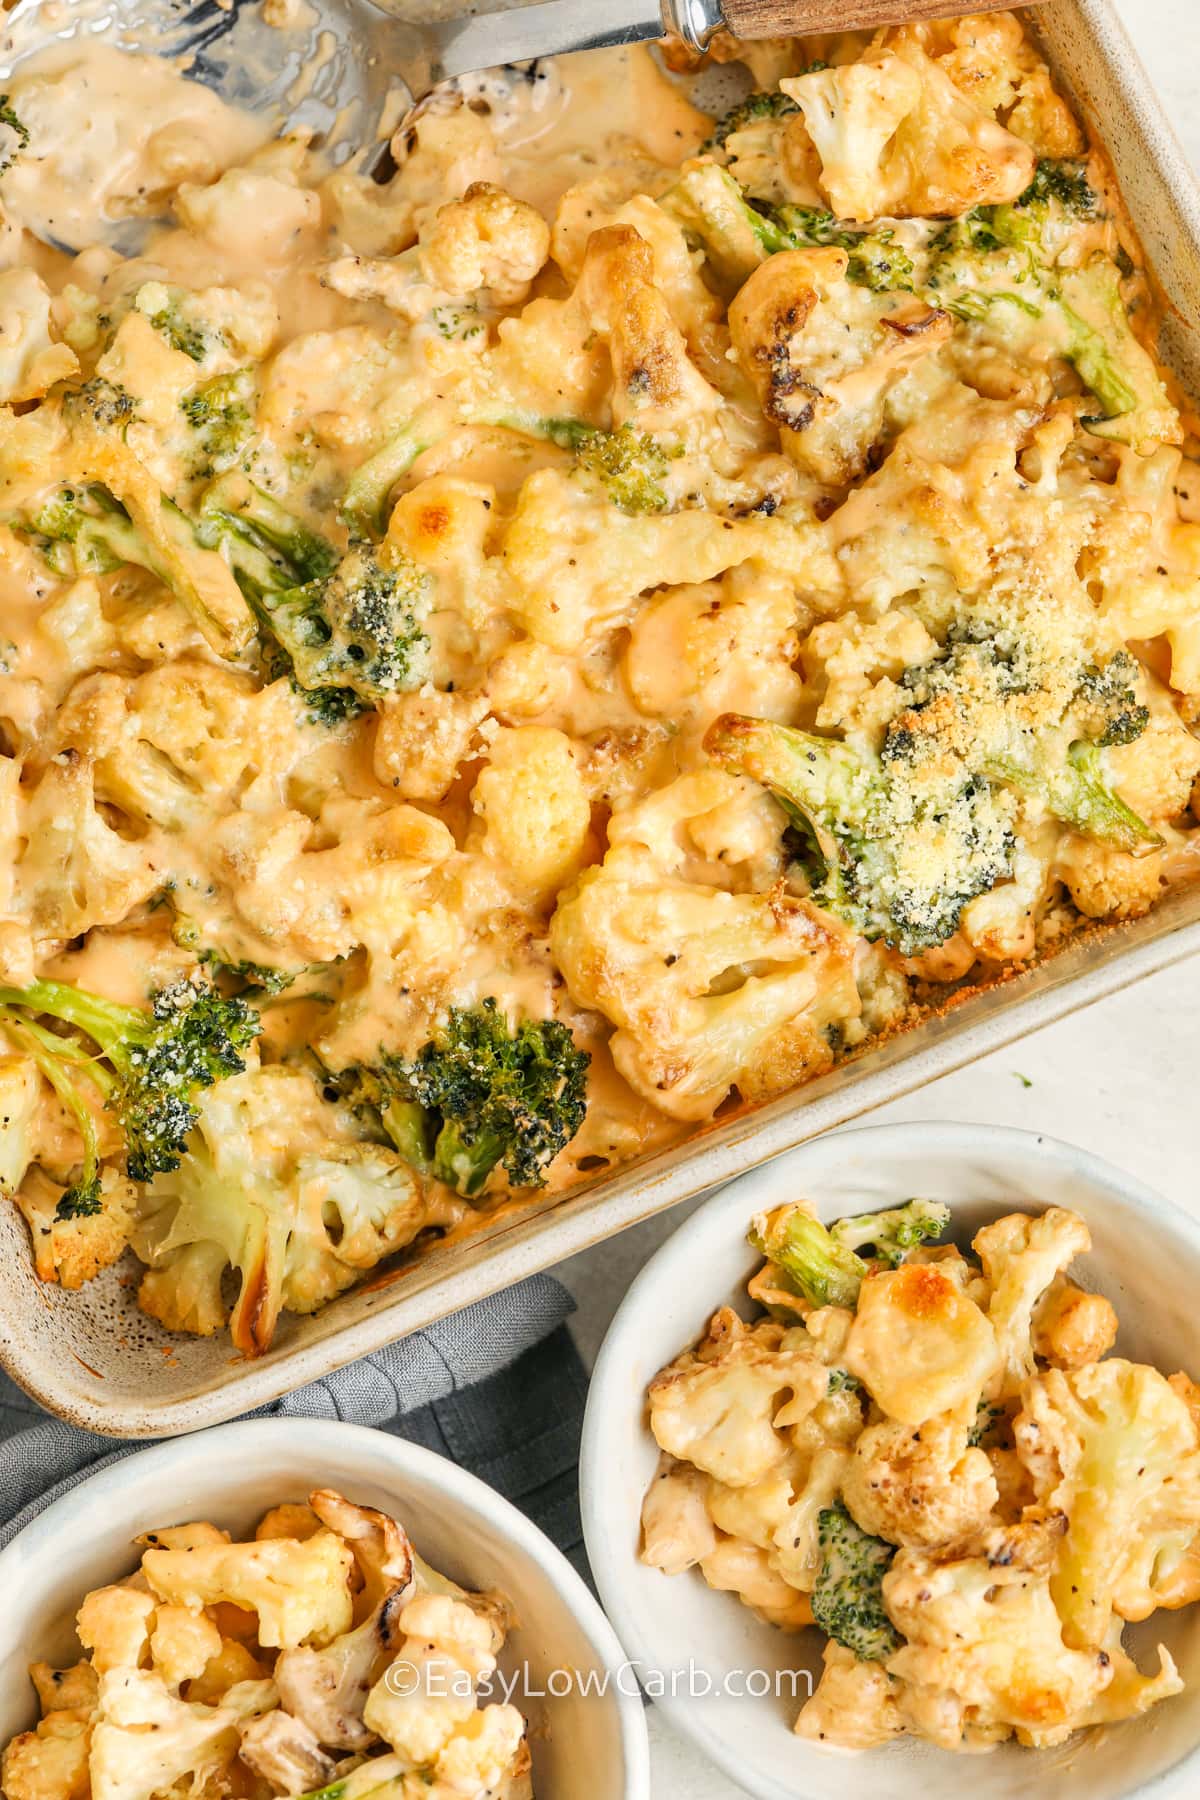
898,858
714,212
847,1600
876,260
364,504
987,1417
479,1095
1109,359
747,112
1062,182
84,530
66,1066
103,403
148,1065
983,666
19,131
894,1231
808,1257
1120,718
168,311
347,624
221,417
628,464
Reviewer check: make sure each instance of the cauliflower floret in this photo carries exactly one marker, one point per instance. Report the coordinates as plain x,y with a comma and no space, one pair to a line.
578,565
647,948
780,1514
719,1406
145,1739
729,646
919,1344
655,385
262,1191
853,1706
1107,883
182,1643
1071,1327
486,240
1115,1448
823,355
422,738
76,871
20,1103
49,1763
1021,1256
920,1486
743,1569
250,215
232,1665
438,156
534,809
325,1689
452,1647
30,360
299,1590
285,1752
114,1623
986,1656
65,1690
896,138
676,1529
72,1252
487,1749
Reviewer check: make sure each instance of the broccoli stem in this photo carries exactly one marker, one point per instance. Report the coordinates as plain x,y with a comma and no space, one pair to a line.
1077,794
52,1054
822,1271
893,1231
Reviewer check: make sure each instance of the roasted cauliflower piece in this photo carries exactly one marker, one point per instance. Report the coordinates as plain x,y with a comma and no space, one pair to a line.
670,961
1021,1257
922,1487
823,355
1115,1448
853,1705
986,1657
486,242
145,1739
721,1407
919,1344
895,137
299,1590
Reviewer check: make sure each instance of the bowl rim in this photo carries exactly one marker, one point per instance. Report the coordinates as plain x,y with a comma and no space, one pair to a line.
609,1389
242,1439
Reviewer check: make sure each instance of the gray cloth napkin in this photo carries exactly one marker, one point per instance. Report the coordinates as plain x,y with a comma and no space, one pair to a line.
498,1387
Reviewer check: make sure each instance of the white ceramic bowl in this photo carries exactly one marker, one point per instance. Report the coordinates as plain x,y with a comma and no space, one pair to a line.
1145,1257
584,1747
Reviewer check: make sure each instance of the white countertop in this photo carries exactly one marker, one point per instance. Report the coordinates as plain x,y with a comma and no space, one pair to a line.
1112,1078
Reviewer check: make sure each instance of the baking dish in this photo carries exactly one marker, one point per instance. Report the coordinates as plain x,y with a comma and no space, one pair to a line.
95,1359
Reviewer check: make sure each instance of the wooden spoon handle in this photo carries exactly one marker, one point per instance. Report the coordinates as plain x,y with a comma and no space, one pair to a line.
793,18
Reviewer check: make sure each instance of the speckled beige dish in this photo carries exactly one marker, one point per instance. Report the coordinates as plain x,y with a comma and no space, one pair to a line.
95,1359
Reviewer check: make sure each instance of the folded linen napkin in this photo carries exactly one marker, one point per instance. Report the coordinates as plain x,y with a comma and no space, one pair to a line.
499,1388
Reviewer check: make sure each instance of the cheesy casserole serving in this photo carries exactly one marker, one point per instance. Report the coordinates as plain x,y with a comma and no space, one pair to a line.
503,661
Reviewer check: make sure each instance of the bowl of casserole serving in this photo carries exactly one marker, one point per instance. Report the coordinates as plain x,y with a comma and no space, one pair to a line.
305,1607
912,1477
526,662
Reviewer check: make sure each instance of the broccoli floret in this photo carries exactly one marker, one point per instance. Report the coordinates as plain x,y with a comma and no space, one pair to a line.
1119,716
148,1065
1110,361
987,1417
168,311
841,1381
847,1600
808,1257
84,530
19,135
712,209
983,666
1061,181
347,624
876,259
365,502
892,1232
748,112
898,858
220,415
628,464
249,974
67,1067
104,403
479,1095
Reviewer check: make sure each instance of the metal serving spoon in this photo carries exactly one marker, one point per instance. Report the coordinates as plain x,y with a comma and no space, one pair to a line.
339,68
